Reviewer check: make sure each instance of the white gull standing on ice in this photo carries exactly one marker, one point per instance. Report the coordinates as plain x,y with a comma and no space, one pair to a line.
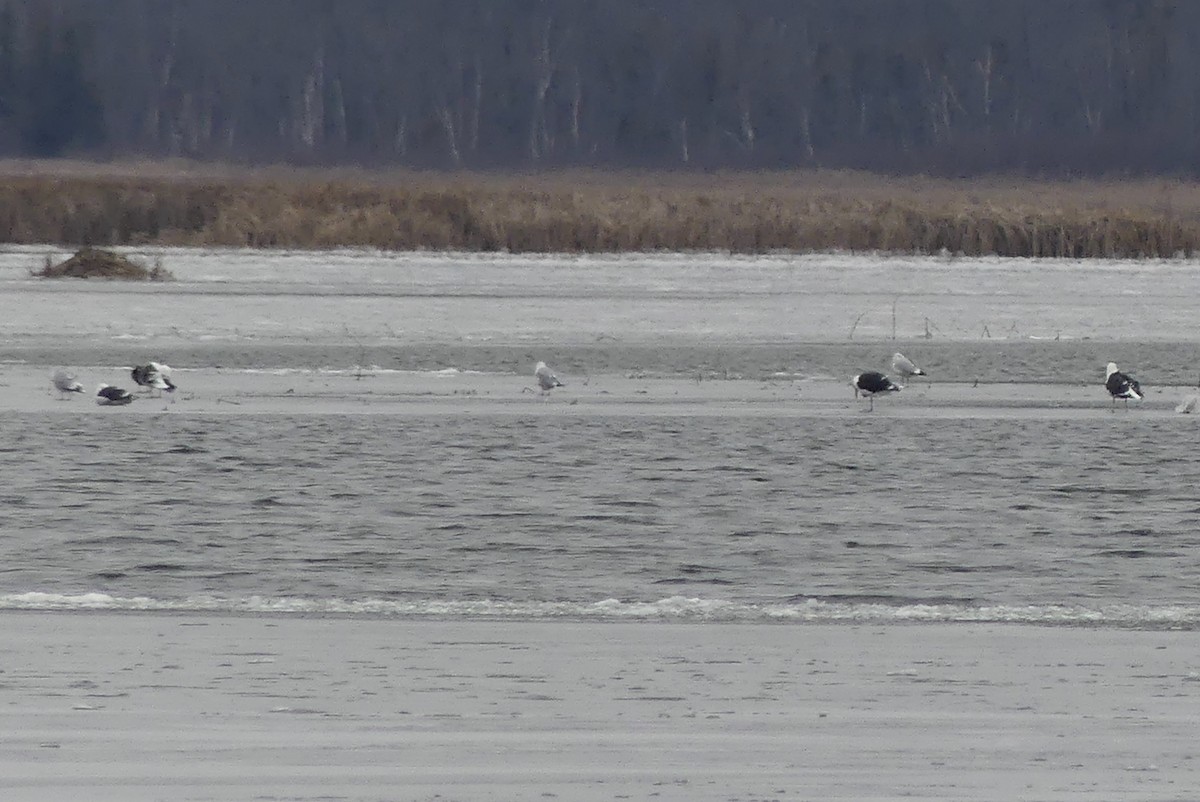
65,383
546,379
904,366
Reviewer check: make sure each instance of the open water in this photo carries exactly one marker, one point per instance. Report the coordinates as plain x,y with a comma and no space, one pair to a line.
712,517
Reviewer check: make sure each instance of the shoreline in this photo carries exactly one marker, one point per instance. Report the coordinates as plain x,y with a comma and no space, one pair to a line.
219,392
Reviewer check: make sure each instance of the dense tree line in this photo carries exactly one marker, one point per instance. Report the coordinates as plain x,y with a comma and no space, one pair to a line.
942,86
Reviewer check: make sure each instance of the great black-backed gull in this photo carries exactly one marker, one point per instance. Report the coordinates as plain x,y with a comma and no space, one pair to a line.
153,376
546,379
65,383
905,367
109,396
871,382
1121,385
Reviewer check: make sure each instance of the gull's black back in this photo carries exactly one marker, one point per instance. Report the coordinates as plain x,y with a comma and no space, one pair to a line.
1119,385
874,382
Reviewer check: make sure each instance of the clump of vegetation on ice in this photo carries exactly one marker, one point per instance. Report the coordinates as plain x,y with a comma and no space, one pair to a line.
99,263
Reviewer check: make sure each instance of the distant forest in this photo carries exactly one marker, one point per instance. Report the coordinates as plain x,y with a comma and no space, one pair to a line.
947,87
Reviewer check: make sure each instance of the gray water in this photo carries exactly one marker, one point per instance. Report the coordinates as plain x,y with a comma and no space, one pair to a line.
702,516
711,517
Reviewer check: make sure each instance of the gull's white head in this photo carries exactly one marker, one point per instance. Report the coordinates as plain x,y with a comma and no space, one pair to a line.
1112,368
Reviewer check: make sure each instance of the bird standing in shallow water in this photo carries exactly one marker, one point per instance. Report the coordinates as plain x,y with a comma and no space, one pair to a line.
1121,385
65,383
871,382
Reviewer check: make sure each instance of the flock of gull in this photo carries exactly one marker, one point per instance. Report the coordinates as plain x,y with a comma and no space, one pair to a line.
157,376
151,376
869,383
1121,386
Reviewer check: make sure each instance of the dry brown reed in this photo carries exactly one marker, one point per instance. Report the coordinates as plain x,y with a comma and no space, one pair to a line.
581,211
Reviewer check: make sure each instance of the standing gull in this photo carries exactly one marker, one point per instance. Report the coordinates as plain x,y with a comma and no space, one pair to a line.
871,382
153,376
1121,385
904,366
109,396
546,379
65,383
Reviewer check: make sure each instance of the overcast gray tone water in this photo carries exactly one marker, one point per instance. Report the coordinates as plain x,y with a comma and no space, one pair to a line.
719,516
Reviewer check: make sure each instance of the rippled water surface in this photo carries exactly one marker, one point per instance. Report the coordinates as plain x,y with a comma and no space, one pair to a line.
722,515
764,516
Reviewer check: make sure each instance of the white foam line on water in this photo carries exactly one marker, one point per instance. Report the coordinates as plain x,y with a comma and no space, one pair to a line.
675,608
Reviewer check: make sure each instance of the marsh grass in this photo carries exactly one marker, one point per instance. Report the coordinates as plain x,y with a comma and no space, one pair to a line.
584,211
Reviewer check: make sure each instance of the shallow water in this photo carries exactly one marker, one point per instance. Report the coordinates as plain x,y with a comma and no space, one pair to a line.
722,516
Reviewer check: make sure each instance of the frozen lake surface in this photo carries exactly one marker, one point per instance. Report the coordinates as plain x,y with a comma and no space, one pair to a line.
418,298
